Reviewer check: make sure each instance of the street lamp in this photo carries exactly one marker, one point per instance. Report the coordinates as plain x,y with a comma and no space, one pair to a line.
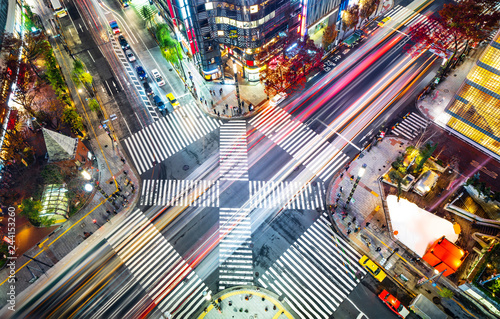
235,70
88,187
86,175
361,172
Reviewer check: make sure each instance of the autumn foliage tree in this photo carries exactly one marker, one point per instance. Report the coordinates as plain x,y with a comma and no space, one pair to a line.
329,36
458,22
350,17
367,8
289,68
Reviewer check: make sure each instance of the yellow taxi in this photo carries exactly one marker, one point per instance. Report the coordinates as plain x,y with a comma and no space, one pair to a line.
372,268
381,23
172,100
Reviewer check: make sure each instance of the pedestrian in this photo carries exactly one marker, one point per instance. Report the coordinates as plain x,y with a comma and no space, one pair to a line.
348,231
212,103
352,177
224,112
205,102
341,189
123,160
367,224
220,91
227,106
349,224
378,249
201,99
383,226
341,175
185,87
108,212
347,167
354,219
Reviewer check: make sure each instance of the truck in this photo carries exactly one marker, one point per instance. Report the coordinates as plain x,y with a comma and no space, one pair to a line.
426,308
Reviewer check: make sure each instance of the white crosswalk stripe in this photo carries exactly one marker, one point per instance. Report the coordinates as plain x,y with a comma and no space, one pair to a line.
168,280
169,135
289,195
202,193
133,77
297,139
410,127
316,273
235,251
233,151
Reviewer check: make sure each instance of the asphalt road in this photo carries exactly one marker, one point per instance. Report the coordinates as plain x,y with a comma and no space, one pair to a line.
228,203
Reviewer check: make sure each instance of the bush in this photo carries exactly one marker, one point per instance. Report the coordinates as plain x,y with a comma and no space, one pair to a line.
51,174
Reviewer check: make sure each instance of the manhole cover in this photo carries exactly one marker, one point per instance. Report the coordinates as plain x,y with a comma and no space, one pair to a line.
105,146
446,90
185,167
256,274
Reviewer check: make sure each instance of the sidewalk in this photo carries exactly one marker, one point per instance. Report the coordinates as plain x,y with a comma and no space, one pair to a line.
214,104
245,302
367,228
434,104
111,173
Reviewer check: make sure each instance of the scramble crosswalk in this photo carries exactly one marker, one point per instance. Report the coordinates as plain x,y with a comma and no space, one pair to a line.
289,195
202,193
297,139
411,126
316,273
166,277
235,249
169,135
233,151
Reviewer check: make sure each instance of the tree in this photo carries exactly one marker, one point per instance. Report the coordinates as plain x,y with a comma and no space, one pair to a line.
170,48
81,76
148,14
425,153
31,209
329,36
350,17
367,8
396,177
446,293
72,118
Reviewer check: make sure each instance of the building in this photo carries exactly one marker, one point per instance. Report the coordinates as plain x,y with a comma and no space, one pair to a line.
215,32
445,256
475,111
321,14
65,150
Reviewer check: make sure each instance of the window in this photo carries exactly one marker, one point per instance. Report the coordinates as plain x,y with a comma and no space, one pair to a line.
254,8
209,6
220,33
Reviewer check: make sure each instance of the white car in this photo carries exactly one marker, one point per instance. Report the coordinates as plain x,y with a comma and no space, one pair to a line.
130,55
157,76
278,98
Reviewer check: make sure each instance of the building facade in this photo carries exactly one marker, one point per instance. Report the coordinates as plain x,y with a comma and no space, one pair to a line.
320,14
475,110
213,32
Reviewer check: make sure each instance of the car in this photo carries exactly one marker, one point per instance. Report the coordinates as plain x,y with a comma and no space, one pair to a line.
278,98
157,76
394,304
123,42
372,268
159,103
114,27
130,55
147,88
172,100
141,73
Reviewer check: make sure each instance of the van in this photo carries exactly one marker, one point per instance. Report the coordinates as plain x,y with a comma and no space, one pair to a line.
426,182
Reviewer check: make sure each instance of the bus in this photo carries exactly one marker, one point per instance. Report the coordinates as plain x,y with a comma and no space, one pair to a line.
59,10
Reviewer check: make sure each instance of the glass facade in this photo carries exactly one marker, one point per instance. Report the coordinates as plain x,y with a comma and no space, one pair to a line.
475,111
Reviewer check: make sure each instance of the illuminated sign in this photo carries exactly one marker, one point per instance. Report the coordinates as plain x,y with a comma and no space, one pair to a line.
233,34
